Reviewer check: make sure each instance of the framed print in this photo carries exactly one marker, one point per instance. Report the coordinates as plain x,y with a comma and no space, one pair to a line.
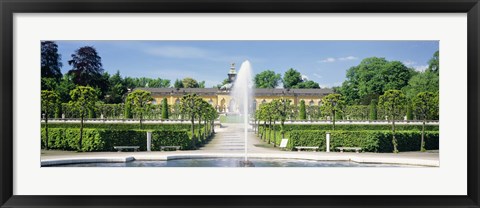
260,104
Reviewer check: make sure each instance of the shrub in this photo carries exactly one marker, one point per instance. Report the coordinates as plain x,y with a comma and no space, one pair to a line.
123,126
105,139
369,141
356,127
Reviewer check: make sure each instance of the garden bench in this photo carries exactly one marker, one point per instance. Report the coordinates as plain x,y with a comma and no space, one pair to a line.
312,148
357,149
120,148
169,147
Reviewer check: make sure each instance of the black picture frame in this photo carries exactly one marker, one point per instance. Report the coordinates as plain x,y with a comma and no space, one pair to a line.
10,7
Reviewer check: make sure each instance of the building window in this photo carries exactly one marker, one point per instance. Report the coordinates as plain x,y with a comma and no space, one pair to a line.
311,103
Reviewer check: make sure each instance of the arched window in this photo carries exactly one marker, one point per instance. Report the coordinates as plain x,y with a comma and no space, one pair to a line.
311,103
177,101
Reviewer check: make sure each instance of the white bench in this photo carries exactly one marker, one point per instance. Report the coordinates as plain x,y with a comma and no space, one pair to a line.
169,147
311,148
120,148
357,149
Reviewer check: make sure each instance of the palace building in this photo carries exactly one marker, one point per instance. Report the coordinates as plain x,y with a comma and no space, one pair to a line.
220,97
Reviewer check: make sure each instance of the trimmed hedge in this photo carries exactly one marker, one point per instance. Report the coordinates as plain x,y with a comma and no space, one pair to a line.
122,126
369,141
356,127
105,139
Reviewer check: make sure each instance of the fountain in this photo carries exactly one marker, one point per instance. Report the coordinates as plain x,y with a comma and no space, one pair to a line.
243,95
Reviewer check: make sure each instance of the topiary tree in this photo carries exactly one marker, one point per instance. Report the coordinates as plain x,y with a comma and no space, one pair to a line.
283,113
189,107
83,101
332,104
50,101
426,104
393,101
409,111
140,101
373,110
164,108
302,113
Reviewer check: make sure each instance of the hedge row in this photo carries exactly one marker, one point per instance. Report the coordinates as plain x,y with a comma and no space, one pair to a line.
369,141
105,140
356,127
123,126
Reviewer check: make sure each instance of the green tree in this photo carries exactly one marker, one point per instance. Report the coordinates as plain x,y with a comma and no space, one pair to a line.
372,77
332,104
164,108
51,61
283,112
434,63
189,83
49,102
302,113
373,110
291,78
140,101
117,89
409,111
307,84
427,81
426,105
201,84
83,101
393,101
178,84
189,107
267,79
86,67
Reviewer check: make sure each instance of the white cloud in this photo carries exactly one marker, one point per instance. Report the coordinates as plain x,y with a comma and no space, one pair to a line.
348,58
304,77
409,63
332,59
420,68
328,60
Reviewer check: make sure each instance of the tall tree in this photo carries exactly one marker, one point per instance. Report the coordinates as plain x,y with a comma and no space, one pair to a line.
117,89
189,107
86,67
49,102
426,105
291,78
201,84
373,110
307,84
189,83
283,112
51,62
83,101
267,79
164,108
427,81
178,84
372,77
332,104
303,113
140,101
434,63
393,101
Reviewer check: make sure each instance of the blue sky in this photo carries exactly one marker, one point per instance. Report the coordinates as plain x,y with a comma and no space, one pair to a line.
325,62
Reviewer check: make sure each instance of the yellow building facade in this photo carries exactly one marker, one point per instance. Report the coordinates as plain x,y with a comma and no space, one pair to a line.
224,103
